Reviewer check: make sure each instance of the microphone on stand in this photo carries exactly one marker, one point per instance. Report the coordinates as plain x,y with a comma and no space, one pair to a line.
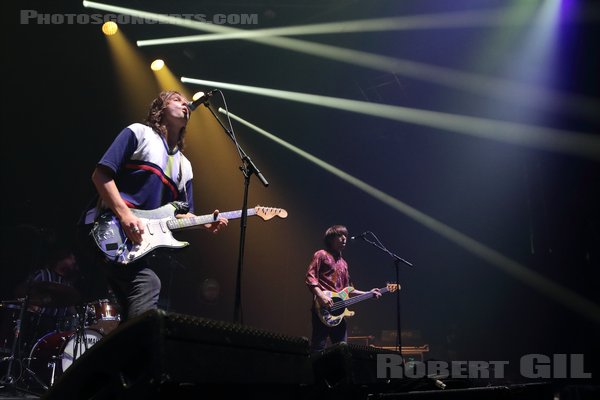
361,236
192,105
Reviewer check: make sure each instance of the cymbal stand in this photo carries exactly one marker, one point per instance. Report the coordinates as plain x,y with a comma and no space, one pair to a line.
80,333
8,381
36,378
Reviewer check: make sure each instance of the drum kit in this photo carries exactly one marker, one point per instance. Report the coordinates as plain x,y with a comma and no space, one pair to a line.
37,354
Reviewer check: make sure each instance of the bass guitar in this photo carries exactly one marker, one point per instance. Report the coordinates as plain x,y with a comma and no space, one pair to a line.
158,225
333,315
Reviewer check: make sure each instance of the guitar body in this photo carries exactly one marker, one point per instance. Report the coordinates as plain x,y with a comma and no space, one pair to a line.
158,226
111,239
333,315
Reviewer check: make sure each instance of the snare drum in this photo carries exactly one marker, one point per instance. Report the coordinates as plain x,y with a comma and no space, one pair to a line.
54,353
102,315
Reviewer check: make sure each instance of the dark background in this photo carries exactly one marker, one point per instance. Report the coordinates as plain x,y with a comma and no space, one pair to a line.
63,104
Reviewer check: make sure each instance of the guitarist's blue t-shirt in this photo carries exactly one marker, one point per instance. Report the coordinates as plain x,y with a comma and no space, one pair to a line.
147,174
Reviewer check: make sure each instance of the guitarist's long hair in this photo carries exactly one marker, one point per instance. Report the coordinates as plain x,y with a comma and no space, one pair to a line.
155,114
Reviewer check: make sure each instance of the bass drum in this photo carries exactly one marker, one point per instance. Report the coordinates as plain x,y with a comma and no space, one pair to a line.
54,353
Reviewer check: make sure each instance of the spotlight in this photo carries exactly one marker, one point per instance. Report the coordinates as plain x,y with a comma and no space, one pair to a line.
109,28
157,65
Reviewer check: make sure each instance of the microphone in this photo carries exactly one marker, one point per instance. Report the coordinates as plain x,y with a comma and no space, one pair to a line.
362,235
192,105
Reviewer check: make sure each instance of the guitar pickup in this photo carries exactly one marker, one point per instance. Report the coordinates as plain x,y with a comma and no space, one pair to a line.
111,246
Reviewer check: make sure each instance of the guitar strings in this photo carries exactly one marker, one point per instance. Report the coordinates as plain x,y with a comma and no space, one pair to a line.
344,303
352,300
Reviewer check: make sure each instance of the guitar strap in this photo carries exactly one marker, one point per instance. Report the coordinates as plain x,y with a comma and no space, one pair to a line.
345,293
92,212
180,177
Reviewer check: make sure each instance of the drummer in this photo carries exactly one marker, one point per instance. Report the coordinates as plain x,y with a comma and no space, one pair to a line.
61,270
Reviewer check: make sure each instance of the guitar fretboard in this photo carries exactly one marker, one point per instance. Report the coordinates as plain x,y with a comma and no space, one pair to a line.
356,299
182,223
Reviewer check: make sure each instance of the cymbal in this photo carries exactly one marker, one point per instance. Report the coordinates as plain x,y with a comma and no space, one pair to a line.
10,302
49,294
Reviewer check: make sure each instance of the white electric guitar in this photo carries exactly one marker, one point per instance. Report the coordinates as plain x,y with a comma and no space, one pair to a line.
158,225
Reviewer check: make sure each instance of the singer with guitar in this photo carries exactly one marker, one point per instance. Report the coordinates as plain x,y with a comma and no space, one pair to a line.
143,169
328,273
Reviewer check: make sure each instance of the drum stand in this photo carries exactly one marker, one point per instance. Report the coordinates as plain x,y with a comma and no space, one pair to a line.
8,382
77,346
80,333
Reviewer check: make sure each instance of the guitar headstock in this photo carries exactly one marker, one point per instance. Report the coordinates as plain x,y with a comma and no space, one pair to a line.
267,213
392,287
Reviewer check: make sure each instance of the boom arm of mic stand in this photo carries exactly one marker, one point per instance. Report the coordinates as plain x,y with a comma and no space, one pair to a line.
245,158
394,256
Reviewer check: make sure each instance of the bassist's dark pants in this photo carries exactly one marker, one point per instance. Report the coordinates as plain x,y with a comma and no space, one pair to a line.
320,333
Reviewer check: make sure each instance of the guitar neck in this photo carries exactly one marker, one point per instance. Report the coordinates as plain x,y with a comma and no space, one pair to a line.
360,297
182,223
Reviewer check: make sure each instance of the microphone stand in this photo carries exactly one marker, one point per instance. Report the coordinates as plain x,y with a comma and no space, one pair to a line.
248,168
397,260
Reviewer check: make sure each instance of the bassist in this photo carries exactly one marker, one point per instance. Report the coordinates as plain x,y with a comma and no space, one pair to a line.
328,271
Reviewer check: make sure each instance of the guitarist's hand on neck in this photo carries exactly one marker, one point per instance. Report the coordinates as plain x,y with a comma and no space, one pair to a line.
213,227
218,224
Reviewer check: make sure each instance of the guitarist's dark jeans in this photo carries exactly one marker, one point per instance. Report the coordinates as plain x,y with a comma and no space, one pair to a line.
136,287
320,333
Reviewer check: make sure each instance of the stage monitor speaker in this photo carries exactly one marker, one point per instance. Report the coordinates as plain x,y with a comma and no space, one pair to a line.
528,391
346,368
476,393
351,370
169,355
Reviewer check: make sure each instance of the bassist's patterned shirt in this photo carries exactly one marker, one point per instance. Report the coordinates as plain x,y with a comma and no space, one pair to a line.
327,272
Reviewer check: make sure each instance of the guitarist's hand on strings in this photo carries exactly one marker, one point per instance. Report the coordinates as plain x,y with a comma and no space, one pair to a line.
325,301
322,298
133,227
